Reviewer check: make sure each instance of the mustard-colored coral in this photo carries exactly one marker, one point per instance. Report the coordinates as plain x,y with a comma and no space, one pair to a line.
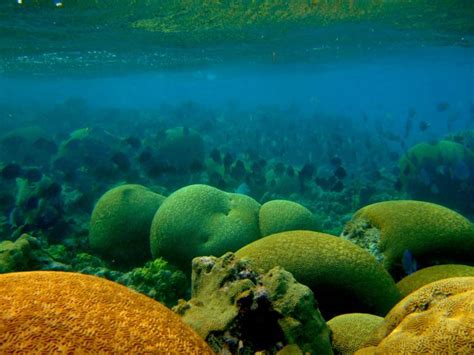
280,215
427,275
350,331
56,312
436,319
432,233
344,277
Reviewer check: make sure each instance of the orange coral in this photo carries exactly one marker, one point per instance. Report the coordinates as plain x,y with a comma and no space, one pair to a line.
436,318
59,312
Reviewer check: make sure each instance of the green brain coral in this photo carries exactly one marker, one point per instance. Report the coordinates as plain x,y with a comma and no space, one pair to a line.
432,233
351,331
200,220
281,215
425,276
344,277
120,223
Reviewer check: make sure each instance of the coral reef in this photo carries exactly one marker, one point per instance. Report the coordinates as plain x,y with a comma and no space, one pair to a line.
281,216
432,233
201,220
436,318
238,310
349,332
325,263
49,312
422,277
440,173
120,224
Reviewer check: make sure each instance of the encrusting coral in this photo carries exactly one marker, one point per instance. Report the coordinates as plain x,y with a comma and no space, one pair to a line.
240,311
61,312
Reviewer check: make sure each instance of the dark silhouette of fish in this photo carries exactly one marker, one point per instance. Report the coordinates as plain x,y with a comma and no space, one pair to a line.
409,263
423,126
442,106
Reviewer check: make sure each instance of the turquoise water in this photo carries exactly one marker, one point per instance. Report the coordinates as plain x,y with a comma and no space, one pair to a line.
333,105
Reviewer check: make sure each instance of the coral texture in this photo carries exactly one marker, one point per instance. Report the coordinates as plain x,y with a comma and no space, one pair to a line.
280,216
58,312
350,331
120,223
199,220
430,274
437,318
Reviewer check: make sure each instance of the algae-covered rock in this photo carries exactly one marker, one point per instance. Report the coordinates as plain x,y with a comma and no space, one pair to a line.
344,277
26,253
437,318
280,216
120,224
201,220
238,310
14,256
157,280
440,173
349,332
182,148
431,233
427,275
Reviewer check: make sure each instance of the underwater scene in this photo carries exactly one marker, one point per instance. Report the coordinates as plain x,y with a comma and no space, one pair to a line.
237,177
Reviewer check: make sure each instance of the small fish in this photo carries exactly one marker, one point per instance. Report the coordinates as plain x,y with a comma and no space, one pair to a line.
31,203
196,166
442,106
340,172
423,126
121,160
46,146
409,263
338,186
242,189
238,170
306,171
216,156
279,168
11,171
336,161
33,175
145,157
133,142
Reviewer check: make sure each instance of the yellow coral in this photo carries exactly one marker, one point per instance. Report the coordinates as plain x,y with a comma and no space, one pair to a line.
344,277
56,312
430,232
427,275
435,319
